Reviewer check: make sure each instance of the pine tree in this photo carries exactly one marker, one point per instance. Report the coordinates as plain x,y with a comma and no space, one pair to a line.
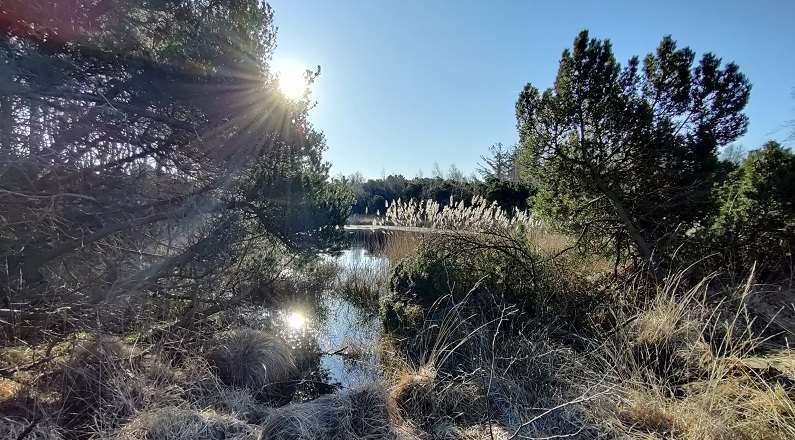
626,157
500,163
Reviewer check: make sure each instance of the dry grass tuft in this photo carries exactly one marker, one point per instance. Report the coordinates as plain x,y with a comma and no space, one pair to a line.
252,359
732,408
428,400
8,389
362,283
96,383
13,428
182,424
691,376
362,412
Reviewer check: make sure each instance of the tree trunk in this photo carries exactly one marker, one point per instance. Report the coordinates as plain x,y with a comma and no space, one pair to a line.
643,247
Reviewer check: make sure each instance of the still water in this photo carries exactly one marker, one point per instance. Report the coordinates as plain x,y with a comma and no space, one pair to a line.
344,336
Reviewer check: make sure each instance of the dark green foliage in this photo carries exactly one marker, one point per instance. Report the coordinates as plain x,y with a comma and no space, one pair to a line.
509,195
487,268
372,195
756,217
625,157
399,315
376,204
425,277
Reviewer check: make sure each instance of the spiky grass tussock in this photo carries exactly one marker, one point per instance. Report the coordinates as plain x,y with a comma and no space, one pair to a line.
14,428
252,359
689,368
182,424
95,384
428,400
361,412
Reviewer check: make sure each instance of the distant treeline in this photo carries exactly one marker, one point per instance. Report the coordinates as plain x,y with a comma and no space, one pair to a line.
371,196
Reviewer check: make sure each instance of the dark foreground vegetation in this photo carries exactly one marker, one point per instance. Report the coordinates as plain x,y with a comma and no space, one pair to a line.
159,198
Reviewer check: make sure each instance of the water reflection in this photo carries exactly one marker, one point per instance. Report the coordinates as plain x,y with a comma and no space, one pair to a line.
295,320
334,340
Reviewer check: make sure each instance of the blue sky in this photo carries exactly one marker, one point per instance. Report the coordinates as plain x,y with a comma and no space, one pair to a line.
409,83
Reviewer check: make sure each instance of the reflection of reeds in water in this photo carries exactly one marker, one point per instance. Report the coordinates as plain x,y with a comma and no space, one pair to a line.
361,282
399,245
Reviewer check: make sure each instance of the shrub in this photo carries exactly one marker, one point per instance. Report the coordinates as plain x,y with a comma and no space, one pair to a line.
399,315
509,195
497,264
426,276
253,359
756,217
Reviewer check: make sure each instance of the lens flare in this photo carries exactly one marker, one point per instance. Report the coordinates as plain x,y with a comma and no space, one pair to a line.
292,79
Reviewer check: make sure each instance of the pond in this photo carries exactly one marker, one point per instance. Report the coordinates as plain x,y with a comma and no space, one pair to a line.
343,335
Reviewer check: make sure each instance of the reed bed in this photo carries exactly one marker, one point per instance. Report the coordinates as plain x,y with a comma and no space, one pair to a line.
476,215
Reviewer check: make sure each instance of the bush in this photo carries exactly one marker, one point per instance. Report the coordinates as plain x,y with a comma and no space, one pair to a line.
756,217
398,315
510,196
255,360
496,264
425,277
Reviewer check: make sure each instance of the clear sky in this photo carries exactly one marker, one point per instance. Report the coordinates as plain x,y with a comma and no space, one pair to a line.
405,84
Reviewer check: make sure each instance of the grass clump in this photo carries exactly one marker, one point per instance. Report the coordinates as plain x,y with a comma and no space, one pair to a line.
361,412
14,428
362,282
98,382
691,366
180,424
253,359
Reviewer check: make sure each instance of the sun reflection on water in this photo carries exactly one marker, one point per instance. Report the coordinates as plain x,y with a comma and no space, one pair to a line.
295,320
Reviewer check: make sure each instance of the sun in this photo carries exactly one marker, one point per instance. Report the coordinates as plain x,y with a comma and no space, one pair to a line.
292,79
